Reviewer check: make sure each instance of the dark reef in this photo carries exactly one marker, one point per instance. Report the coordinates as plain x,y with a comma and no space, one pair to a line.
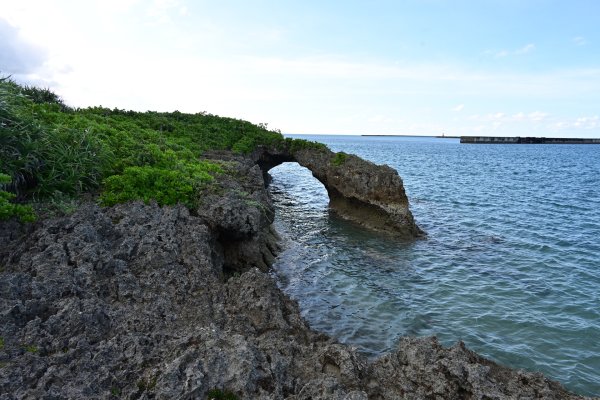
139,301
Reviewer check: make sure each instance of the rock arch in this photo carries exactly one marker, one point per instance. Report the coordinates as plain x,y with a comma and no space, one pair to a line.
359,190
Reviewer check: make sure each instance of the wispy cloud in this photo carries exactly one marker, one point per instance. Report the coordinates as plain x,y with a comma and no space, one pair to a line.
496,53
587,122
579,41
526,49
582,124
535,123
162,11
534,116
380,119
538,116
257,71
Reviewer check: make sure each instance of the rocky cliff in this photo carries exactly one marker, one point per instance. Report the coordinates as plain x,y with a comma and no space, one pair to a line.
138,301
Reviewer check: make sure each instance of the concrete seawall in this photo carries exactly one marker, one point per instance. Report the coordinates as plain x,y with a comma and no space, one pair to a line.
525,140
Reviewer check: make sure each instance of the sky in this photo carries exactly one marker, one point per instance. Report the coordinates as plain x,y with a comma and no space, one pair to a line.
429,67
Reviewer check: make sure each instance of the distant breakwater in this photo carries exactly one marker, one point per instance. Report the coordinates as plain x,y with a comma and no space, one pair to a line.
525,140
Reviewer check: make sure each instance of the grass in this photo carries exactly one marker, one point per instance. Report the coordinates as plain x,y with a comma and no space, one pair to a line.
51,151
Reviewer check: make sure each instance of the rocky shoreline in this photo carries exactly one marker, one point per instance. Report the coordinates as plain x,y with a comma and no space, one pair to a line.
139,301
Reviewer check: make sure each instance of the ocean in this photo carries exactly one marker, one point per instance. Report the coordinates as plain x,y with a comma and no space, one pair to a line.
510,265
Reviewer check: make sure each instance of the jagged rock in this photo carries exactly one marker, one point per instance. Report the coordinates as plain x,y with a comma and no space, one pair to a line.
133,302
361,191
421,368
240,212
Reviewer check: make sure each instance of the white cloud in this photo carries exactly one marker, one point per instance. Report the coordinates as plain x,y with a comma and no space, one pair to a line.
525,49
579,41
380,119
537,116
496,53
115,6
587,122
112,57
163,11
579,124
520,116
18,56
536,123
528,48
534,116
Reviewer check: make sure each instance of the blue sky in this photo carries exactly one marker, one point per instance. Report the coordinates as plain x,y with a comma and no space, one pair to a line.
501,68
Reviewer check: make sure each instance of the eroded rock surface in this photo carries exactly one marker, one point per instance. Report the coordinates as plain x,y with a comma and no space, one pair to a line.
133,302
239,211
366,193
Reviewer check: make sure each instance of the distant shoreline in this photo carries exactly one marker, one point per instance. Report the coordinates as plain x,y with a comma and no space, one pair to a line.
472,139
525,140
435,136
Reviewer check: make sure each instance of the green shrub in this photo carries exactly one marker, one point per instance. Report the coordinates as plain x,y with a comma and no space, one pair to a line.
166,186
302,144
51,151
8,209
339,158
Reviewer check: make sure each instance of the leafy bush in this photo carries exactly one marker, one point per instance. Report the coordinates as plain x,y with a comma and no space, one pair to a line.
339,158
8,209
302,144
52,151
164,185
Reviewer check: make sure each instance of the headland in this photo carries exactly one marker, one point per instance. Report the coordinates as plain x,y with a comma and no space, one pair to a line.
147,275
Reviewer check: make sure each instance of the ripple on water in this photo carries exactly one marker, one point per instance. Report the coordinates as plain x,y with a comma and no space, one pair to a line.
511,265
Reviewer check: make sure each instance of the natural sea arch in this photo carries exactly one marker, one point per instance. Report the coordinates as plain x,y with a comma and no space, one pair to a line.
361,191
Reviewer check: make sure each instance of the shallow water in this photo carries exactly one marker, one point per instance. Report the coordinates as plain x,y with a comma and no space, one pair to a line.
511,265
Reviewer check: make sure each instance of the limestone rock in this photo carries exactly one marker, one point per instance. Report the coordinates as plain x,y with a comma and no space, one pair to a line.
359,190
240,212
133,302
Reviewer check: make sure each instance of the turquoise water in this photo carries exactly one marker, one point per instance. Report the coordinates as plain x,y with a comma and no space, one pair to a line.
511,265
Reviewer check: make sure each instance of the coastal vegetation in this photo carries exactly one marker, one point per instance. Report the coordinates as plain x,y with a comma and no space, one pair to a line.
50,152
339,158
